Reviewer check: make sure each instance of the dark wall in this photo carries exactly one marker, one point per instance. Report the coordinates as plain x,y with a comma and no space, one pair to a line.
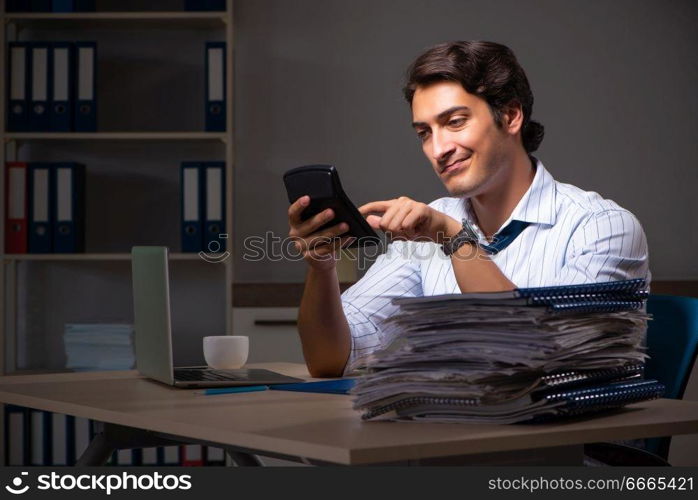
615,86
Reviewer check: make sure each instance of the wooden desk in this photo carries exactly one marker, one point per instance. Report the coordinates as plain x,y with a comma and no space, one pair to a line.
320,427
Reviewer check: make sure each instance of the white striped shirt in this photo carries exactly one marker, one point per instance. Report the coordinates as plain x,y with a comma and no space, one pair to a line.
574,237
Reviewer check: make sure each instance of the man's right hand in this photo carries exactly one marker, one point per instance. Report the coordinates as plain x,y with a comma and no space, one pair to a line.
319,248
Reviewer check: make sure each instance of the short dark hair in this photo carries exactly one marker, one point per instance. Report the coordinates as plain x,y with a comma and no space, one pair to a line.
486,69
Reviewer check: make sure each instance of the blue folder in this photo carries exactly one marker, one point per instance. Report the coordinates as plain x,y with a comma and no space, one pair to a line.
215,87
191,217
69,208
40,86
61,98
204,5
338,386
40,5
85,112
85,5
63,5
214,206
18,87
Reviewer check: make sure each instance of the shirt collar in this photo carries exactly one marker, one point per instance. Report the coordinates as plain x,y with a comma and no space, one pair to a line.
537,205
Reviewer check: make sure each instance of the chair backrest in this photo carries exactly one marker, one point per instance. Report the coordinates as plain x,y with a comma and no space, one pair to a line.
672,341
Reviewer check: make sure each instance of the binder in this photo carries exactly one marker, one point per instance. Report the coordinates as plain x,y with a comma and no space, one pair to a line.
16,207
215,456
58,431
39,58
41,436
14,435
190,455
40,237
82,435
40,5
170,455
124,457
215,87
85,111
611,296
60,101
338,386
17,5
69,208
204,5
150,456
85,5
214,213
63,5
191,217
18,87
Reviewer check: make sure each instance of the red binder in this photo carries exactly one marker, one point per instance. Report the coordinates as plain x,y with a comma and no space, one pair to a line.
16,207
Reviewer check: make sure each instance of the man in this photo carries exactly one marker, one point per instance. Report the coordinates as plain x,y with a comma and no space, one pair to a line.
506,224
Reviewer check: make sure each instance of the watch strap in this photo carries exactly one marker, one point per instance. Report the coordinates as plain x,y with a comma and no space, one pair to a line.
465,235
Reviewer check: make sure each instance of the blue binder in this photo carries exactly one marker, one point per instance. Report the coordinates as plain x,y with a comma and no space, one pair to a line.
18,87
85,111
214,206
69,208
17,5
204,5
40,86
40,202
63,5
191,207
61,99
85,5
40,5
215,87
41,438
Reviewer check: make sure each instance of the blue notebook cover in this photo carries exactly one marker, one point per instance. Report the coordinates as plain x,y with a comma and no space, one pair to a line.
339,386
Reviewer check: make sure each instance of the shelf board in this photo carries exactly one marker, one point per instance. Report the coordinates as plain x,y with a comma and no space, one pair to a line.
115,136
89,256
134,19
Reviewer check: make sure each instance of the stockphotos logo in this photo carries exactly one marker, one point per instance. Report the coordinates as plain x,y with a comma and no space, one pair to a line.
107,483
17,488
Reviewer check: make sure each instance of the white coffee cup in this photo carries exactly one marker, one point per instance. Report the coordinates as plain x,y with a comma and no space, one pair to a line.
226,352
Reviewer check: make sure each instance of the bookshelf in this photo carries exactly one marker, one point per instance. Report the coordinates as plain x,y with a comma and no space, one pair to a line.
14,147
159,19
115,136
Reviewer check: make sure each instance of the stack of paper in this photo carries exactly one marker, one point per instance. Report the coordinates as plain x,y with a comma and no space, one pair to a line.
99,346
505,358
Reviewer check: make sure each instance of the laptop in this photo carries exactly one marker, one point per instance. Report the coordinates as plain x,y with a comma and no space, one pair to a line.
153,332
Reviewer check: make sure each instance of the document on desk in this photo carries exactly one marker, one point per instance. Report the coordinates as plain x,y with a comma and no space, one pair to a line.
510,356
215,391
338,386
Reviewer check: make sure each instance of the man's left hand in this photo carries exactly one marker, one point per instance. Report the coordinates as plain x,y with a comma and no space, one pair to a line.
407,219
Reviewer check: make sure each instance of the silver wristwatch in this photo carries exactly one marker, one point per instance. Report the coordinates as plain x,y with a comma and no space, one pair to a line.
465,235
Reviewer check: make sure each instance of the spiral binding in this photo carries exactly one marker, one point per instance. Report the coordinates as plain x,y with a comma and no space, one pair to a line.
611,296
576,401
571,377
417,400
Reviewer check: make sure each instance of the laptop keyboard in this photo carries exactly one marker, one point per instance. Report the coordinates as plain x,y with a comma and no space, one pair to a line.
196,375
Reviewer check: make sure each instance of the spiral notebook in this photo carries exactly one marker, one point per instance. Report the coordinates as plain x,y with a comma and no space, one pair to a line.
535,407
610,296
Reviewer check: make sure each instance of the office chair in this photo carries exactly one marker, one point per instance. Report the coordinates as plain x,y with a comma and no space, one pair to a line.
672,343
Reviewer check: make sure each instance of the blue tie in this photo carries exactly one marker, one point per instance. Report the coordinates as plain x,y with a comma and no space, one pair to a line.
503,238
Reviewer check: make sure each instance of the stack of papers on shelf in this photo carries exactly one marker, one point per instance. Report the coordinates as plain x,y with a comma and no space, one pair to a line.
99,346
508,357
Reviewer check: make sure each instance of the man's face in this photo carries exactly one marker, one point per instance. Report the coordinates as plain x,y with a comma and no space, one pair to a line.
460,138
